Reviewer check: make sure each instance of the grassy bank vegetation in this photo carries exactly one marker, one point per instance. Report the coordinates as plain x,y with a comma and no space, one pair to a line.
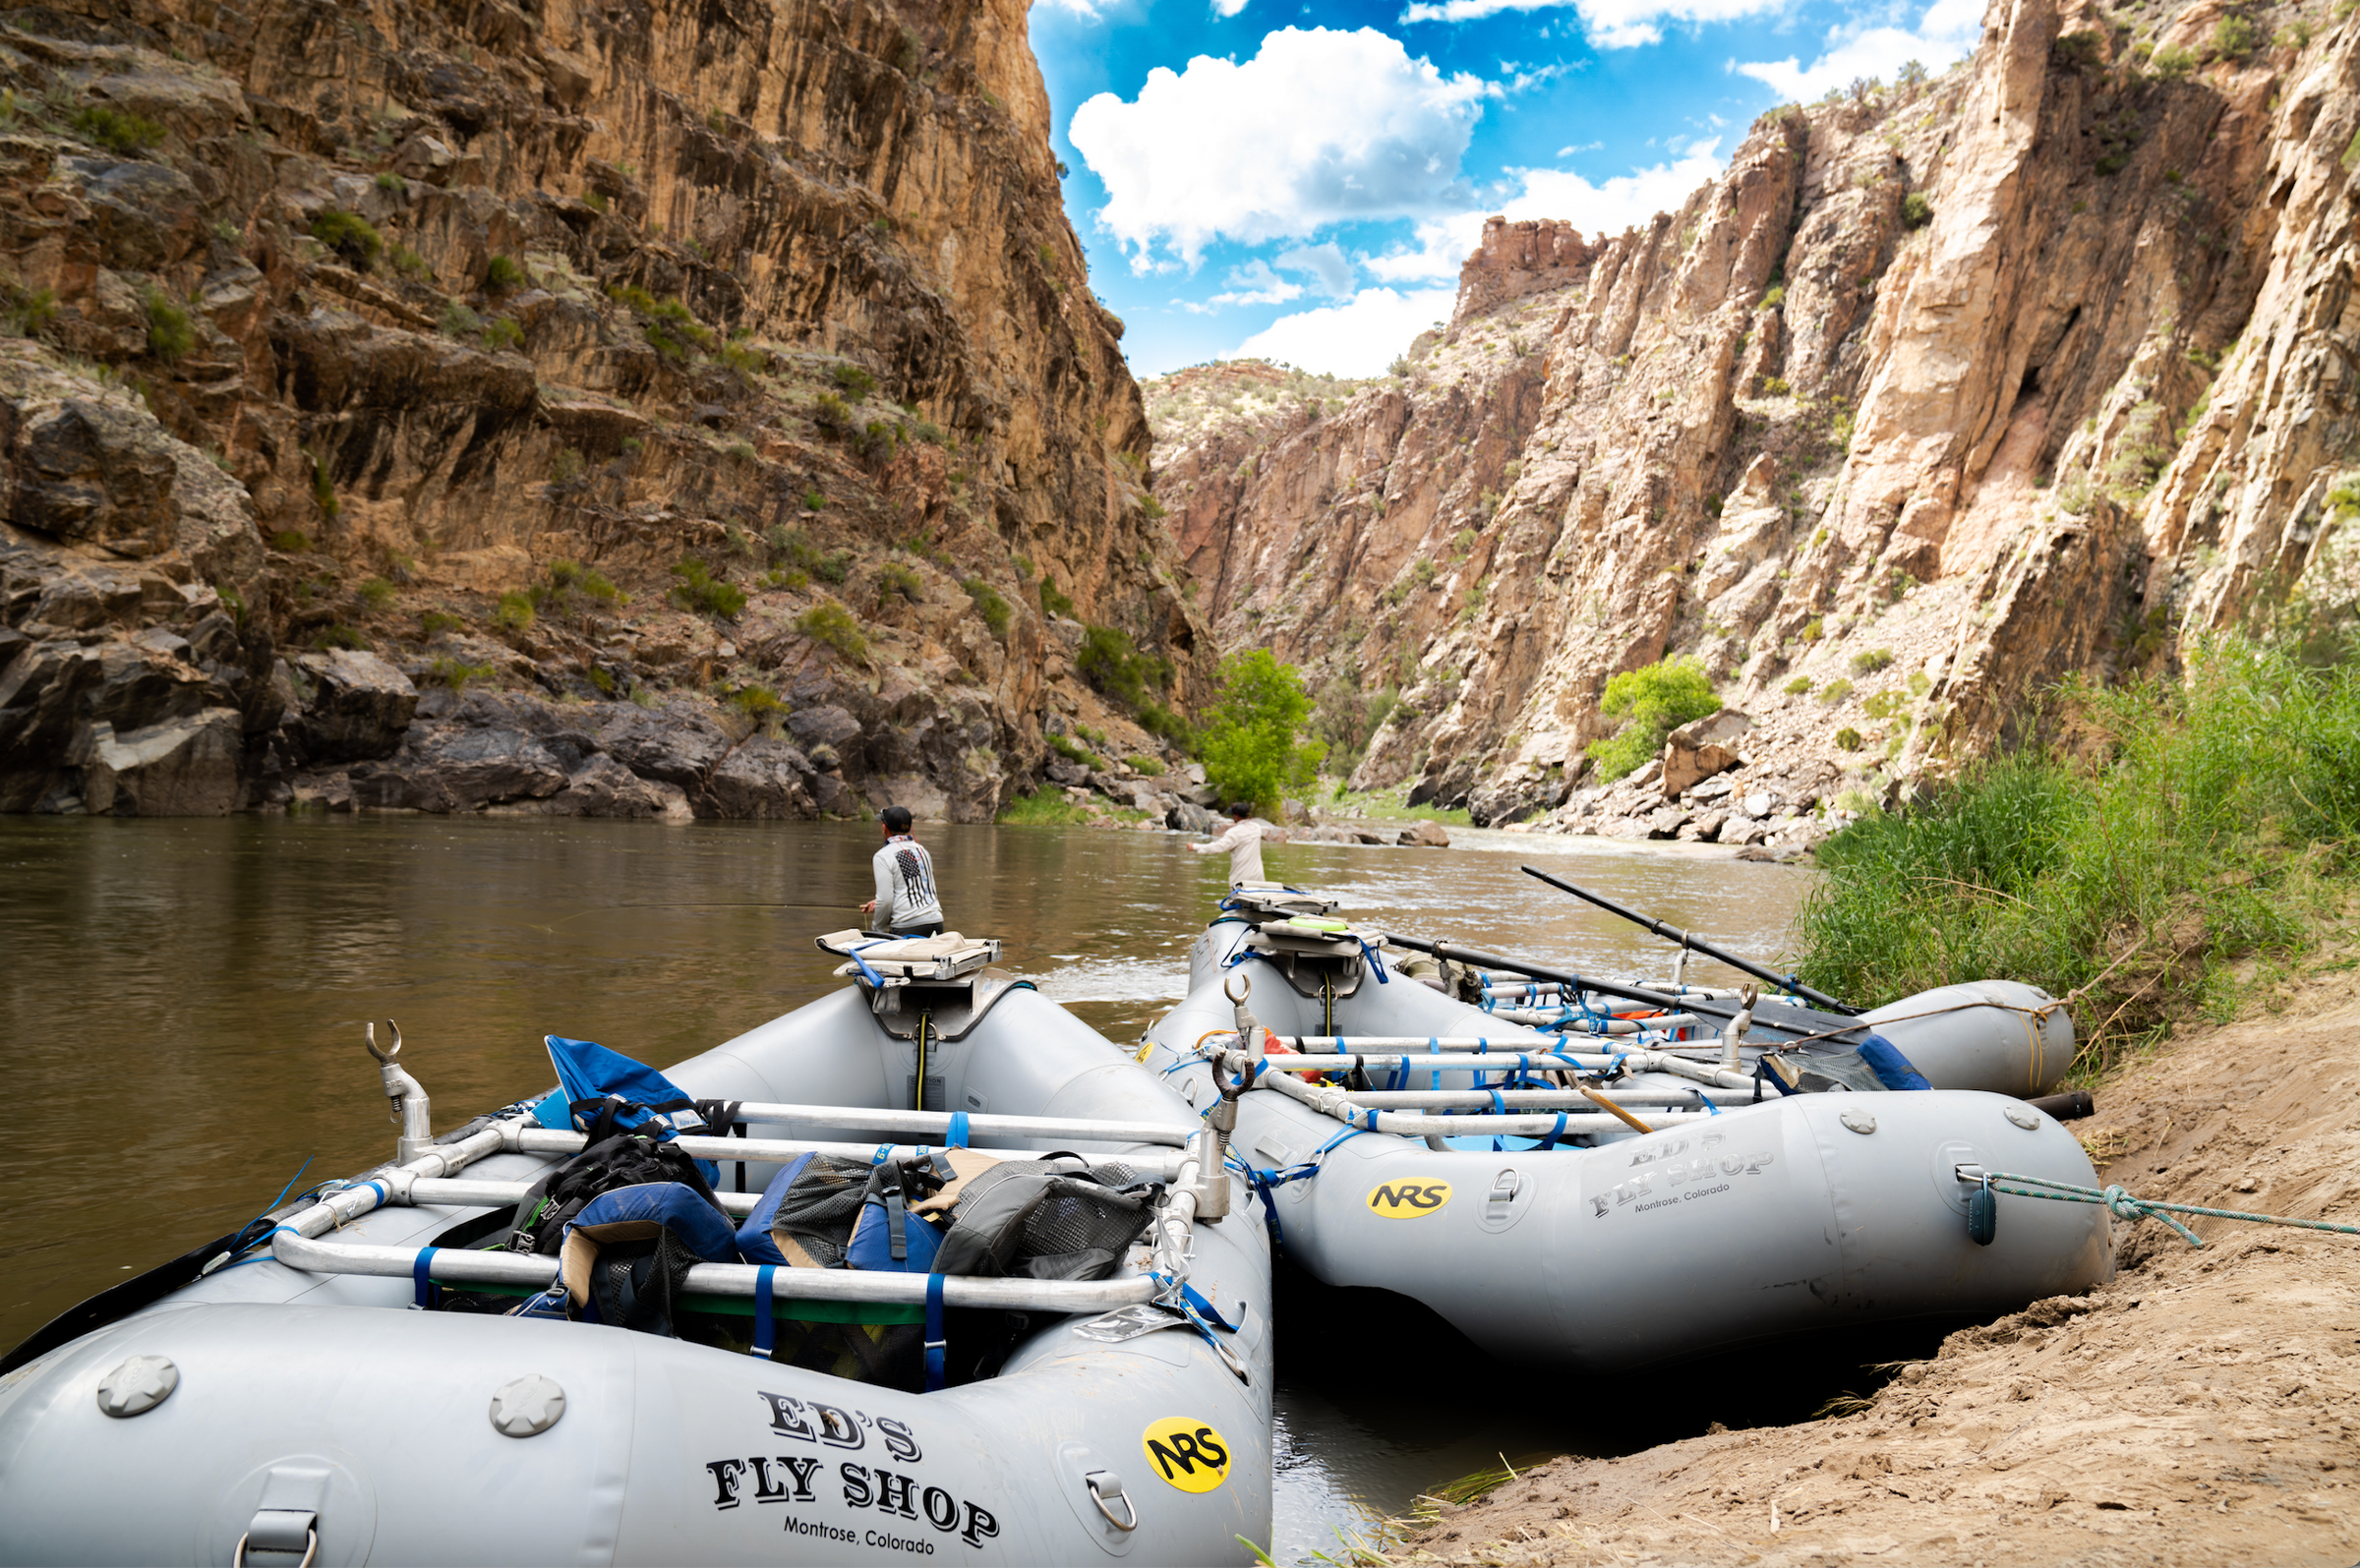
2172,832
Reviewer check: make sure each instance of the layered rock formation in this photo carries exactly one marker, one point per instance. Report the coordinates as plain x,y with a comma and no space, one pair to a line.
1942,392
679,409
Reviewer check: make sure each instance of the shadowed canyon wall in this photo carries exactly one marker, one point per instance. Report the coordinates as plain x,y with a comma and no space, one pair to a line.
642,409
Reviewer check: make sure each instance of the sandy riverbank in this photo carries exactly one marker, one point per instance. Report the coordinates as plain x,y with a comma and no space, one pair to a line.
2201,1409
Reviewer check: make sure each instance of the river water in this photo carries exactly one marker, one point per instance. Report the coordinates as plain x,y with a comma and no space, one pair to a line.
186,999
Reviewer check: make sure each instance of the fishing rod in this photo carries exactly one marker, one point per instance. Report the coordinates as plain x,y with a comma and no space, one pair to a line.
1694,944
1770,1016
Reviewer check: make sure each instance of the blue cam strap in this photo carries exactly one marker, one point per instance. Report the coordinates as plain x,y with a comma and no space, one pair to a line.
934,1340
765,1326
958,1138
424,1286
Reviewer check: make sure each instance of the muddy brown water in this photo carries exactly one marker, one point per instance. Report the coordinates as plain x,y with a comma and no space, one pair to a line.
185,1000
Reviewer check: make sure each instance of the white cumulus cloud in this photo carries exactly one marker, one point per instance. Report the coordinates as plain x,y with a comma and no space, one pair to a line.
1945,34
1357,338
1607,23
1225,9
1319,127
1251,284
1327,264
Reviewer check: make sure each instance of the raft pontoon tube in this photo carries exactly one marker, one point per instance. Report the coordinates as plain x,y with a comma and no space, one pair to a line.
1118,1417
1688,1186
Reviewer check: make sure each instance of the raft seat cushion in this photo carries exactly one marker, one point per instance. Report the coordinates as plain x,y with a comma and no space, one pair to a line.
945,956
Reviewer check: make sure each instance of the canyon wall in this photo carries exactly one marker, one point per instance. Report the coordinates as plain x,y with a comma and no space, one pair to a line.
1944,390
643,409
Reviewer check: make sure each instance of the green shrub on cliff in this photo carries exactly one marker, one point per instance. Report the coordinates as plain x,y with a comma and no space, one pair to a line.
514,613
350,236
895,578
992,605
700,590
830,624
1114,669
119,131
169,332
1652,702
2220,821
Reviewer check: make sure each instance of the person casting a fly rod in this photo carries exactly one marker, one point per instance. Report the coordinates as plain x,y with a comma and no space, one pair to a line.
906,905
1242,841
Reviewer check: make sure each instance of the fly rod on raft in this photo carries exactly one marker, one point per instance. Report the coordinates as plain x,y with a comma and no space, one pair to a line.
1671,933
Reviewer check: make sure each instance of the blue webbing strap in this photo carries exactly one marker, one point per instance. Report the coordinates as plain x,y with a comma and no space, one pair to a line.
1498,1102
1375,962
1709,1106
934,1340
1555,1134
1188,1293
1434,1080
958,1139
765,1328
424,1287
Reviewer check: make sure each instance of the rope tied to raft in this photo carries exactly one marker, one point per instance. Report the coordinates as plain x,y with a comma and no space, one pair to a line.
2121,1203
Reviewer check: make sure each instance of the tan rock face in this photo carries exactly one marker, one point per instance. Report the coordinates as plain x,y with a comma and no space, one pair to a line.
1935,396
787,294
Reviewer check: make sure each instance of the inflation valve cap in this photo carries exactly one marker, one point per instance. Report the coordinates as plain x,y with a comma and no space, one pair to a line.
527,1406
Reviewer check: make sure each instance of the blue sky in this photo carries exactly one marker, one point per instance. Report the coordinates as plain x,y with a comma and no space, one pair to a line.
1302,181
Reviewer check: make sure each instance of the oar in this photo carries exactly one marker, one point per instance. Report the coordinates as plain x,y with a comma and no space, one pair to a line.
1694,944
1770,1016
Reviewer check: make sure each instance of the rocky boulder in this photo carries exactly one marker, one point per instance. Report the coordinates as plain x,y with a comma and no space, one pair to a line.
355,705
676,745
763,780
446,767
1698,750
604,788
1187,816
1426,835
90,473
184,767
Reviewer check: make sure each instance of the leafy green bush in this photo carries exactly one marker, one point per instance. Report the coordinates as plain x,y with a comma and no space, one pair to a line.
1869,663
170,334
1652,702
794,547
2234,38
290,541
1053,602
1252,743
341,637
2220,821
856,383
1150,767
350,236
895,578
992,605
503,273
1848,739
435,623
700,590
1773,297
119,131
503,332
514,613
392,183
1113,668
1835,691
831,624
756,701
1915,212
1800,686
375,593
1072,752
28,313
1045,807
573,590
457,672
669,327
2173,63
1158,721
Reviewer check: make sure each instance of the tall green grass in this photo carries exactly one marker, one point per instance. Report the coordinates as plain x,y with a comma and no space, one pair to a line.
2176,829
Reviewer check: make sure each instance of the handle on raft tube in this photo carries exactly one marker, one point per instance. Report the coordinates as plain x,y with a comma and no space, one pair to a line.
1671,932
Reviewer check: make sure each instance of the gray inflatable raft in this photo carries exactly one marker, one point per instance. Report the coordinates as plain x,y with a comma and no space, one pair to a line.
296,1409
1464,1163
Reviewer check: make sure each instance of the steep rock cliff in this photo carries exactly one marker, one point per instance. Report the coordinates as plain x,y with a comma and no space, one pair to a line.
1941,392
734,359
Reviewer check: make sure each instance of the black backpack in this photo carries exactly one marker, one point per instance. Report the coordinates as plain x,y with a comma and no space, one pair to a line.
626,1159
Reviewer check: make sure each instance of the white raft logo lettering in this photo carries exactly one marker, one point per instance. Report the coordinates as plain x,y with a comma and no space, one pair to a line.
868,1487
1673,1172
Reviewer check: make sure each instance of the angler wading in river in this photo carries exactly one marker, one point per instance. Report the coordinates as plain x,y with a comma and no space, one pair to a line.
1242,841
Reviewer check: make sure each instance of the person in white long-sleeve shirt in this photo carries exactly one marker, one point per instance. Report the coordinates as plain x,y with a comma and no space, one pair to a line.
1242,841
905,904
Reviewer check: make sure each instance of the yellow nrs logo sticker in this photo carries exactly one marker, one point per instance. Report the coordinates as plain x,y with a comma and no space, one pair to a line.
1406,1201
1186,1452
1145,1046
